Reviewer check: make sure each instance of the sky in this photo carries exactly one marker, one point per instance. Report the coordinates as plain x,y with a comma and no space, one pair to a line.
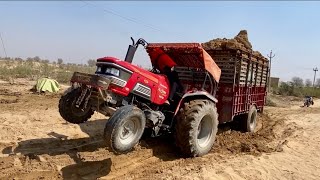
80,30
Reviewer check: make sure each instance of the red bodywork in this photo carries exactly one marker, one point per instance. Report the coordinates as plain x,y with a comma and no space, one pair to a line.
158,84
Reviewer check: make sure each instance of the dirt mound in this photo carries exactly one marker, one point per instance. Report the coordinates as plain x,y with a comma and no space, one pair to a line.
240,41
236,142
242,38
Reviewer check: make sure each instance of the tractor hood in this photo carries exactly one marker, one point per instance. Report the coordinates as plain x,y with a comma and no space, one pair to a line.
182,54
128,66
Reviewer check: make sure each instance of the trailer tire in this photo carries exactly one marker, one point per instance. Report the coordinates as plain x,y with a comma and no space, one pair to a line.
196,127
250,120
70,113
127,119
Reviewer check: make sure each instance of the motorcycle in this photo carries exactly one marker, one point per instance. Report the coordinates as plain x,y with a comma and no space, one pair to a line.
308,101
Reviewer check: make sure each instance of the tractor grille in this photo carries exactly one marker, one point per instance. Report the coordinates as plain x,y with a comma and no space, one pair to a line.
117,81
142,90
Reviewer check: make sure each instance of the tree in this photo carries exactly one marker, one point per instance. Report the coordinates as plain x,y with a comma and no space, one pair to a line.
60,61
296,81
18,59
286,88
91,62
46,61
37,59
308,83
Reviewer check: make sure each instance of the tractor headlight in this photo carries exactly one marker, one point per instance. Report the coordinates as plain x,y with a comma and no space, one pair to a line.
113,71
108,71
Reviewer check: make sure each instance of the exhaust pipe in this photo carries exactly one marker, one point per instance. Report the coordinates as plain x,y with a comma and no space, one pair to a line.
133,48
131,51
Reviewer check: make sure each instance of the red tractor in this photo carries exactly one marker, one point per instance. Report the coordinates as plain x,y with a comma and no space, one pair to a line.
177,96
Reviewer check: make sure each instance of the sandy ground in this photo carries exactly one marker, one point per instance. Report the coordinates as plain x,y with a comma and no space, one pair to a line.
36,143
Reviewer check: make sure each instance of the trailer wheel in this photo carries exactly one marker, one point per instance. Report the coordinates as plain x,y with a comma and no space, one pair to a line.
69,112
196,128
124,129
250,120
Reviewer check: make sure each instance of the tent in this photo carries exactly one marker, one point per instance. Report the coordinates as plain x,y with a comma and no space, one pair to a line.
46,84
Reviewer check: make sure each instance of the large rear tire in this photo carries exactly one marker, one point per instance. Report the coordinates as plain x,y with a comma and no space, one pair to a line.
124,129
70,112
196,128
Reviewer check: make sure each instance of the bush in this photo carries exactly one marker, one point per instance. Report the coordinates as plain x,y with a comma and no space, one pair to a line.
63,76
285,89
269,102
34,70
289,89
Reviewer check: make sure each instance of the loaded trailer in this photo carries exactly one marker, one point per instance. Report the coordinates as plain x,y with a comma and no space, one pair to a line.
242,88
243,83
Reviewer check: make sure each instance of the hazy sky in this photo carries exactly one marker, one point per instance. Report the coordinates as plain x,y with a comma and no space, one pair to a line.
77,31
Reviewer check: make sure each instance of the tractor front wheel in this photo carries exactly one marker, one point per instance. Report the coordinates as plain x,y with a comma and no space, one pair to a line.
70,112
196,128
124,129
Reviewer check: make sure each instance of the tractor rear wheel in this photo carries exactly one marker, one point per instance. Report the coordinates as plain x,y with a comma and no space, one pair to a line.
249,121
196,128
124,129
70,112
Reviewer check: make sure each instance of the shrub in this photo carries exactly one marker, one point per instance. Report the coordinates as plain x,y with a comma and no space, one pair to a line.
269,102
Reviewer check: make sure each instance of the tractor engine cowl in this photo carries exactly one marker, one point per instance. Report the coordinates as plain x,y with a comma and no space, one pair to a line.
118,75
127,79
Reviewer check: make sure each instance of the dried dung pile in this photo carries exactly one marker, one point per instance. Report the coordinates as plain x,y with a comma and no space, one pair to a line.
241,41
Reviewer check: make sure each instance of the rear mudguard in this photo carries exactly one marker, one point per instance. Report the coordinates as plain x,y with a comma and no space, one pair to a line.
195,95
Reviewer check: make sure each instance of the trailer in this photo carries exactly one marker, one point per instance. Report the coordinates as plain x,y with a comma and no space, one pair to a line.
242,87
243,82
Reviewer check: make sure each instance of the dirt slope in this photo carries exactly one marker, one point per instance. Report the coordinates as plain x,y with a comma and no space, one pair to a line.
36,143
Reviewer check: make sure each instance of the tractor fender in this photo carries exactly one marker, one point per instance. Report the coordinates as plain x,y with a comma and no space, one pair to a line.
195,95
